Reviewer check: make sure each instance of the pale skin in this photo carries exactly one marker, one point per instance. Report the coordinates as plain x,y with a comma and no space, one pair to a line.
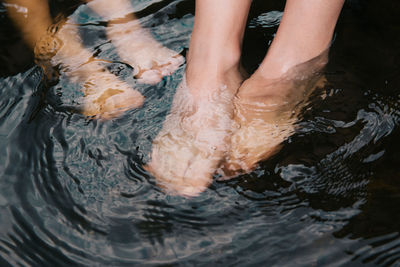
214,54
106,96
304,33
220,119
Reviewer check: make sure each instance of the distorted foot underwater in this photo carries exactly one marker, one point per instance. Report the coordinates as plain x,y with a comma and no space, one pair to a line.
74,192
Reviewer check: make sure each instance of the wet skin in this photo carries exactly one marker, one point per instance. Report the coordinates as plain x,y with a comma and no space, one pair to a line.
105,95
229,130
198,134
195,137
265,108
263,121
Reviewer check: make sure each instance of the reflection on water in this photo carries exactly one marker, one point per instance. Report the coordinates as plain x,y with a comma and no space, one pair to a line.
73,191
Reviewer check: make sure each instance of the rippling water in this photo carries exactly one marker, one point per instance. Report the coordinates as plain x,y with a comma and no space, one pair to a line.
73,191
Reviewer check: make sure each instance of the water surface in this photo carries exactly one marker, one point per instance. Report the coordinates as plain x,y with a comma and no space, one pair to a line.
73,190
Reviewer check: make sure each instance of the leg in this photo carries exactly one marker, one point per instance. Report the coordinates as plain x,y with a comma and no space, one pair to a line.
135,45
105,95
268,102
305,32
39,18
196,133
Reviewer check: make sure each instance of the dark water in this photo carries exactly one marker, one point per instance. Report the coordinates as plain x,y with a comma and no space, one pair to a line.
73,190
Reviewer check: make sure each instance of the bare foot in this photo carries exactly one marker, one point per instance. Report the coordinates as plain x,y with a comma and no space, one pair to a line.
136,46
196,134
105,95
194,138
266,111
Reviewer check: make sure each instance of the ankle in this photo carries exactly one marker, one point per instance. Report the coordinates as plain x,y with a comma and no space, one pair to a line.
277,80
211,64
278,66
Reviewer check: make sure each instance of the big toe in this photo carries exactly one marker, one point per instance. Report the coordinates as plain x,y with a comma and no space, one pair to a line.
124,101
172,65
110,105
198,176
160,69
180,173
151,76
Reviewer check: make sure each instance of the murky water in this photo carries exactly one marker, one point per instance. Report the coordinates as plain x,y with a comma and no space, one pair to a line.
73,191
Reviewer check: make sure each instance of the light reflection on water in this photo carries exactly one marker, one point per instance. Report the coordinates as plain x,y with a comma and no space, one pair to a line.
73,191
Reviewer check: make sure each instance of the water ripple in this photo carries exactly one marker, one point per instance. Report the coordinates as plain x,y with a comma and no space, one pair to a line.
74,191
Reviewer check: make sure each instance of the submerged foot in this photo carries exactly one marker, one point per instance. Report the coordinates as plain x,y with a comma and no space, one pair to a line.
105,95
266,111
136,46
194,138
149,58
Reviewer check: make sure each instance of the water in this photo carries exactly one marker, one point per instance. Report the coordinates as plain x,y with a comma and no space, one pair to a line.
73,190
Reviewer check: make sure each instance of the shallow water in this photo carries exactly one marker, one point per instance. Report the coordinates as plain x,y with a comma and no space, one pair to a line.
73,190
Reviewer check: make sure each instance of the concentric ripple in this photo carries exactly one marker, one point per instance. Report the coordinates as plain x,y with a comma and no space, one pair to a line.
73,190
